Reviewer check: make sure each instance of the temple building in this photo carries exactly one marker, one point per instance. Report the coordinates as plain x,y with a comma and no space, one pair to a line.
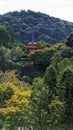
32,47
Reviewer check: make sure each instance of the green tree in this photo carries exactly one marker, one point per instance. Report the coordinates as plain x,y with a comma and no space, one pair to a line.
69,40
38,106
55,60
51,83
42,57
57,111
50,79
67,97
6,36
46,108
5,59
11,35
41,45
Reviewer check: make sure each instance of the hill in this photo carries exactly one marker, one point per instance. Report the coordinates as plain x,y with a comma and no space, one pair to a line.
42,26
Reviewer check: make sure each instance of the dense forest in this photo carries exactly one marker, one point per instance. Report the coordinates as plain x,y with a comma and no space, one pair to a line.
44,27
36,89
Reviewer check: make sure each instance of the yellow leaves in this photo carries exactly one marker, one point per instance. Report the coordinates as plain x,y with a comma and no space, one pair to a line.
8,85
20,97
25,93
17,102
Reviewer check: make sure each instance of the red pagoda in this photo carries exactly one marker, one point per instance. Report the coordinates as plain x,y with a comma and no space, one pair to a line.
32,47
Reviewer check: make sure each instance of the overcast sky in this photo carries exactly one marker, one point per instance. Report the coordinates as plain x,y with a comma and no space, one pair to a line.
58,8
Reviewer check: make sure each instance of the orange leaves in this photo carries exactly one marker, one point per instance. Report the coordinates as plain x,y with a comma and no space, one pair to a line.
9,111
11,76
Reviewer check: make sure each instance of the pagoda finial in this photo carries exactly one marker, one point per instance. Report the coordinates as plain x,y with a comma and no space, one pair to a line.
32,36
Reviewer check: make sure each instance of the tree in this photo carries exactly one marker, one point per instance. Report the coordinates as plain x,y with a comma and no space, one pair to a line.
6,91
69,40
11,35
5,59
42,57
6,36
50,79
39,114
55,60
51,82
47,110
41,45
67,96
15,110
57,111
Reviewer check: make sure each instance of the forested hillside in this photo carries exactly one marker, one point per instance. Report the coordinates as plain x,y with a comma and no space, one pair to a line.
36,87
44,27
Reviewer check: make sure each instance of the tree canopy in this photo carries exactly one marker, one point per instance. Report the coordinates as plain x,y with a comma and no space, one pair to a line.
45,28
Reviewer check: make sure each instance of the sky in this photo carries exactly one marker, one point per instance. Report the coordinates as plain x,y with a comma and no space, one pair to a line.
62,9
